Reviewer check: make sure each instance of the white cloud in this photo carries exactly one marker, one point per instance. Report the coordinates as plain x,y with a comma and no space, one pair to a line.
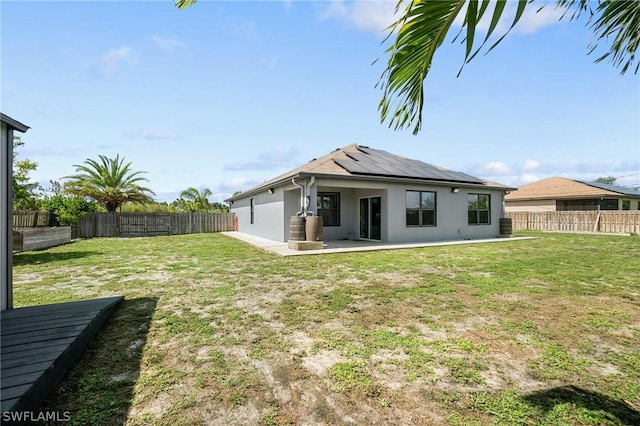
272,159
530,165
167,195
373,16
229,186
336,10
110,61
495,168
533,170
527,178
366,16
220,192
376,16
532,20
167,44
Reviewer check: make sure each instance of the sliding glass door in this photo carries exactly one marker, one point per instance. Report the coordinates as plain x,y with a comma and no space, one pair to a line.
371,218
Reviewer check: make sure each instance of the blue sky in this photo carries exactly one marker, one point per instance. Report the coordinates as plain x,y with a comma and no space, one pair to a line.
229,94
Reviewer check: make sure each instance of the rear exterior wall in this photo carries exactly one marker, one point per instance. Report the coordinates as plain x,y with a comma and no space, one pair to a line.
267,214
451,215
272,212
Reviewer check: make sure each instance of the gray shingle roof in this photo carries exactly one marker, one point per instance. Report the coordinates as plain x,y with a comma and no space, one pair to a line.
361,162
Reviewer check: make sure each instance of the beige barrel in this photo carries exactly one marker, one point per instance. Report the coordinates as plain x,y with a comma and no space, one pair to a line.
314,228
296,228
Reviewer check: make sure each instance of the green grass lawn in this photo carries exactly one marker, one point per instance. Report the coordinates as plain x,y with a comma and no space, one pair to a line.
214,331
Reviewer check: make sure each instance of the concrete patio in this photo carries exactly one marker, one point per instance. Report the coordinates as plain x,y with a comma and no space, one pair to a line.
346,246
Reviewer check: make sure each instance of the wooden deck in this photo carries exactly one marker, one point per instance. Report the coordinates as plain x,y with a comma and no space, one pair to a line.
40,344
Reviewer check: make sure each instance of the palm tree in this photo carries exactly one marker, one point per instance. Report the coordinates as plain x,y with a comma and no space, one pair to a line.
109,182
193,200
424,24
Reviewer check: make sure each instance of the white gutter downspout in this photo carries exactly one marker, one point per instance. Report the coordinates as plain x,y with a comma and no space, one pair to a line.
308,195
305,189
303,208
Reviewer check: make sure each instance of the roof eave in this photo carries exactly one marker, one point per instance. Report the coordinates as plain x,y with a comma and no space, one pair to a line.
260,188
14,124
394,179
375,178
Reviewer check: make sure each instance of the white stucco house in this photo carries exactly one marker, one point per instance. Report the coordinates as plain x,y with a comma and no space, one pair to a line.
363,193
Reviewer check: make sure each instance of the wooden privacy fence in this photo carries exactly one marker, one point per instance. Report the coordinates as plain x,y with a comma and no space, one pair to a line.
149,224
616,221
31,219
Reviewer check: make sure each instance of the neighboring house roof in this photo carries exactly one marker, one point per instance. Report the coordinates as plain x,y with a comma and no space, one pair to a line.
559,187
361,162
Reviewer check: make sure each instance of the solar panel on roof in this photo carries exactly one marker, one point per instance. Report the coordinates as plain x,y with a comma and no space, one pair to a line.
351,166
381,163
611,187
357,156
385,156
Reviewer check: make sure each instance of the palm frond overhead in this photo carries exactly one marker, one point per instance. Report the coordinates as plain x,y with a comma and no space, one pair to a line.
423,25
421,30
618,22
181,4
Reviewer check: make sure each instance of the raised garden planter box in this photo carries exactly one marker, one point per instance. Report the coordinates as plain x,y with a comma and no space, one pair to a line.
27,239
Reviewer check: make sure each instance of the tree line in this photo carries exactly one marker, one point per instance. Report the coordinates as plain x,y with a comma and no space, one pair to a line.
99,185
